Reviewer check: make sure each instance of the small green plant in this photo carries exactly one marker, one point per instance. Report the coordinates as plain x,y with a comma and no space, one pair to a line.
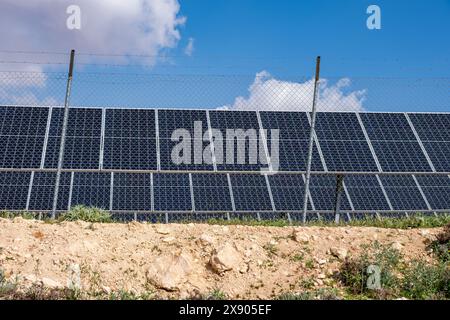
309,264
86,214
354,272
426,281
216,294
441,246
271,249
297,257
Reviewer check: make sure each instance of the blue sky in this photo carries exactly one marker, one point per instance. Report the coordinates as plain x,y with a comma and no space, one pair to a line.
402,67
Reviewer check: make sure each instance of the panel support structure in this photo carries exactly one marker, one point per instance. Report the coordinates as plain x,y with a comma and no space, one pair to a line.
422,193
372,150
30,187
420,143
158,154
211,140
152,194
384,192
269,189
319,149
338,197
47,133
191,188
102,138
230,188
69,204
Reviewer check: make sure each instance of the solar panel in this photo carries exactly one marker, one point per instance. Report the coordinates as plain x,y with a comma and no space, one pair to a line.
14,190
91,189
293,141
22,135
366,193
394,142
43,189
83,139
250,192
211,192
130,140
132,191
403,193
288,191
247,122
434,132
172,192
171,120
323,192
343,143
436,190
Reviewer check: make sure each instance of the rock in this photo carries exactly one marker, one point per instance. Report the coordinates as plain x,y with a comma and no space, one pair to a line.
225,258
339,253
206,239
397,246
168,239
50,283
161,229
300,237
18,219
106,290
169,271
74,280
321,276
31,278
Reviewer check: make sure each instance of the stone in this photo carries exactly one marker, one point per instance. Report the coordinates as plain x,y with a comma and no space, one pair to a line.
206,239
50,283
170,271
300,237
321,276
74,280
168,239
397,246
225,258
339,253
162,229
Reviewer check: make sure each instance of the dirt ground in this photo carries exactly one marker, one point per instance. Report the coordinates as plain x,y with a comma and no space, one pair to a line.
188,260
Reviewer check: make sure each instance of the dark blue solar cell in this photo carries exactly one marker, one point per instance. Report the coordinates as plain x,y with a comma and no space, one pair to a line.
241,147
22,135
288,191
91,189
365,193
323,192
294,130
436,190
181,133
431,126
343,143
172,192
387,127
250,192
14,188
406,156
434,131
403,193
211,192
43,189
132,192
394,142
83,139
130,140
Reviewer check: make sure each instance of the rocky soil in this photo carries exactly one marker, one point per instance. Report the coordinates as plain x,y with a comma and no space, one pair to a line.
188,260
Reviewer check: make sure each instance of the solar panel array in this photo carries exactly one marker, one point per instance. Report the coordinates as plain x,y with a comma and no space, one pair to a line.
121,160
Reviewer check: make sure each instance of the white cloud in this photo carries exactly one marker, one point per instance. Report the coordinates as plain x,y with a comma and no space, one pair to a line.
189,50
267,93
116,27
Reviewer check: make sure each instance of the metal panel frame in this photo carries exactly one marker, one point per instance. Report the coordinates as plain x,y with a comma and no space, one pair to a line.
424,151
111,192
262,136
158,154
384,192
369,142
211,141
30,187
319,149
102,139
47,133
421,192
230,188
69,203
191,190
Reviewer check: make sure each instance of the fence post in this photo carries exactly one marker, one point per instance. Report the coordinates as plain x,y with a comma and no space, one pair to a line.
63,134
311,141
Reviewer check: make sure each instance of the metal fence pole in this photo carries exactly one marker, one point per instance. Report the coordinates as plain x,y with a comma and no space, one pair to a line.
311,142
63,134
